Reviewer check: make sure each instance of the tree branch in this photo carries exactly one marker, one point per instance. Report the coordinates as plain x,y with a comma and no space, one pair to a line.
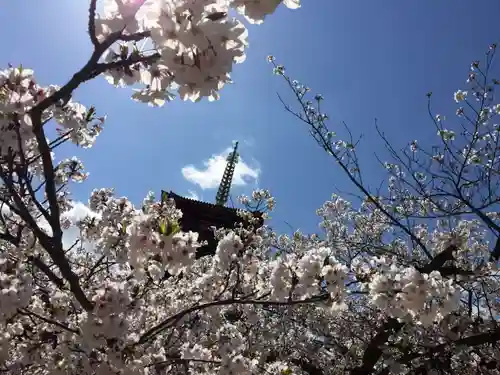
91,26
104,67
49,321
53,245
373,351
316,129
165,323
135,37
490,337
47,271
439,260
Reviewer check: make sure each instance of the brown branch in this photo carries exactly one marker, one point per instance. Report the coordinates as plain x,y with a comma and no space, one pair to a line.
490,337
60,260
165,323
10,238
104,67
24,174
83,75
94,268
495,254
53,245
452,271
91,26
373,351
439,260
50,185
135,37
307,366
19,207
47,271
47,320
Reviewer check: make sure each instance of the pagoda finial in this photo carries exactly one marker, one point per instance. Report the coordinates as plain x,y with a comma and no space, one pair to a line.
227,177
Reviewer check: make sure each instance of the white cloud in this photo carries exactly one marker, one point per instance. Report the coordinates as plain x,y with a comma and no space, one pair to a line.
210,175
78,212
192,195
70,236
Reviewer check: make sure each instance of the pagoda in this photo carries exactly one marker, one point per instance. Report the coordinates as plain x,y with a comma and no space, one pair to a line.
202,217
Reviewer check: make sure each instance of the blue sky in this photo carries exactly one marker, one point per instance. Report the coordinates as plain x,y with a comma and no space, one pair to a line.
368,58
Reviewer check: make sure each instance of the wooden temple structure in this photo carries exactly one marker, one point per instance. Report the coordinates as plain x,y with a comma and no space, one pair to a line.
201,217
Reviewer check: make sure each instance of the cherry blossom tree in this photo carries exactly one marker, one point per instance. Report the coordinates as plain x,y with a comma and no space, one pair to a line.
405,283
419,257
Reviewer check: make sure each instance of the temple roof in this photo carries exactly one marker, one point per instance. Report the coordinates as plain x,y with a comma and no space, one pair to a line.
179,199
201,216
207,211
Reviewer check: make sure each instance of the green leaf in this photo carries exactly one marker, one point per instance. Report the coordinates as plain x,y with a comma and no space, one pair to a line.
124,227
90,114
164,196
173,228
163,227
168,228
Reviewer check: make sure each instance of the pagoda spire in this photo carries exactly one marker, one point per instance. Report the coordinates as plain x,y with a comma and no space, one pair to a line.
227,177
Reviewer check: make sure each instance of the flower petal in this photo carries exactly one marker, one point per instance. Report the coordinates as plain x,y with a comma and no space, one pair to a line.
292,4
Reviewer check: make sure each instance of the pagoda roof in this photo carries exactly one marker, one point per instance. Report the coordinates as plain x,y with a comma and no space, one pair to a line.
202,205
200,216
214,211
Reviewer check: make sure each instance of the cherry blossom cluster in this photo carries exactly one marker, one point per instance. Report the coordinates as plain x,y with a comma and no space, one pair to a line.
260,201
15,286
149,239
309,273
194,42
402,291
19,94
